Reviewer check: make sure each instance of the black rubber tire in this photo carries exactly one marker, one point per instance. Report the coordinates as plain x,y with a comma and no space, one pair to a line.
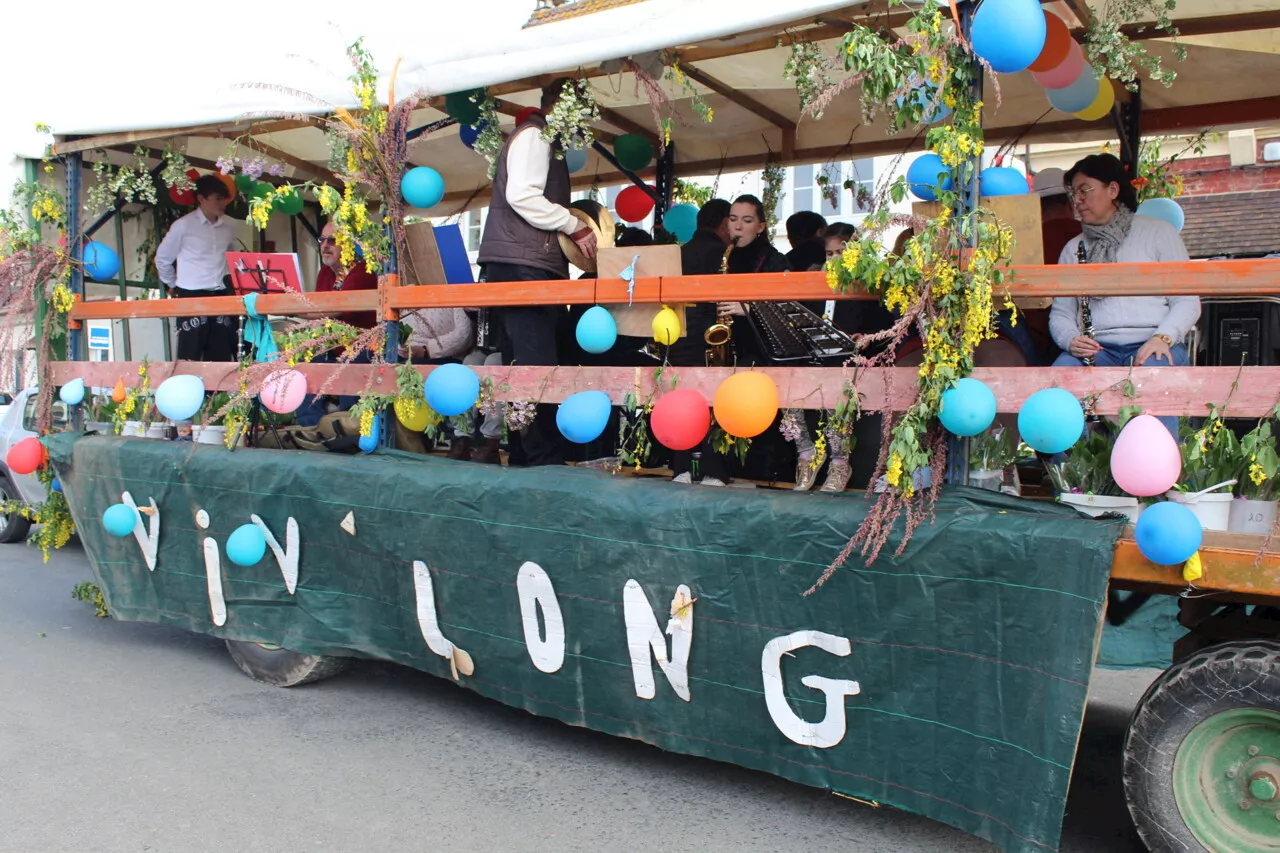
13,527
1220,678
281,667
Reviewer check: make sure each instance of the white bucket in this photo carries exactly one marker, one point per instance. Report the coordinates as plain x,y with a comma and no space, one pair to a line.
133,428
158,431
209,434
1213,509
1248,516
984,479
1096,505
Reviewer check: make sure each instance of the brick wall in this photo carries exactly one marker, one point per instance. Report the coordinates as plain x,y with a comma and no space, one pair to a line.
1214,175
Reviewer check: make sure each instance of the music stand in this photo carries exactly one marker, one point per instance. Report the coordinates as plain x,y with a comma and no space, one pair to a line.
264,272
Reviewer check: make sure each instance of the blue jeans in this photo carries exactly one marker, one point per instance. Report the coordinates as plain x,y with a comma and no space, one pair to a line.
1122,355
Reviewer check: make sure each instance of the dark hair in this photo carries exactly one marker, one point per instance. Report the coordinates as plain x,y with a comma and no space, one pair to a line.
1108,169
207,185
713,213
633,236
551,93
900,242
840,231
804,226
759,206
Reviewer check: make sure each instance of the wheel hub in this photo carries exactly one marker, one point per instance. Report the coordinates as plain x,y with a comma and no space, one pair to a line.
1226,781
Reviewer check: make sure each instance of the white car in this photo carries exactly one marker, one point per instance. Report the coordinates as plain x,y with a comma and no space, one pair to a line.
17,423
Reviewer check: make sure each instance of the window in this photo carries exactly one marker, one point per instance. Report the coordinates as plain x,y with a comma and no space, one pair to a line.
611,197
863,184
833,190
802,188
473,231
29,414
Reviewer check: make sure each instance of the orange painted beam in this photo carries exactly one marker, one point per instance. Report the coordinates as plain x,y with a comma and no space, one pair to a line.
1161,390
333,302
1229,571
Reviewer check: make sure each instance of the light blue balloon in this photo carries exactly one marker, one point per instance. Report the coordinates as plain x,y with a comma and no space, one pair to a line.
968,407
246,545
72,393
100,261
1165,209
1009,34
1078,95
923,174
369,443
120,519
597,330
583,416
924,95
1051,420
422,186
1168,533
681,221
179,397
452,389
575,159
1002,180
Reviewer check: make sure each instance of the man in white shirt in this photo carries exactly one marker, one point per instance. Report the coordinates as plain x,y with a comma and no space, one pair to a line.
529,209
192,262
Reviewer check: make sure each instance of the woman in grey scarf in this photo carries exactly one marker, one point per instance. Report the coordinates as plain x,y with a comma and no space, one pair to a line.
1115,331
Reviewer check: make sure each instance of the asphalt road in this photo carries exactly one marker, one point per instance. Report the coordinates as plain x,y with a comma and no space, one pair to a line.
131,737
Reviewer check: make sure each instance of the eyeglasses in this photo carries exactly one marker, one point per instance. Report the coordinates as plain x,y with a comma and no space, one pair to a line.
328,241
1082,192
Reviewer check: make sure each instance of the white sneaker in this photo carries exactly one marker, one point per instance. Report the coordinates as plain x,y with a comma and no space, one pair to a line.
685,478
711,481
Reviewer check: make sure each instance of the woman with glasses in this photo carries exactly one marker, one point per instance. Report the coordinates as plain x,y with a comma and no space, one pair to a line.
1115,331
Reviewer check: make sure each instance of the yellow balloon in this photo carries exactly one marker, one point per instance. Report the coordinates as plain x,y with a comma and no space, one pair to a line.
666,326
1102,104
414,415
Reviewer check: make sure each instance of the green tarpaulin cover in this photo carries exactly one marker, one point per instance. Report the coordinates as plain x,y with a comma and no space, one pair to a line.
950,681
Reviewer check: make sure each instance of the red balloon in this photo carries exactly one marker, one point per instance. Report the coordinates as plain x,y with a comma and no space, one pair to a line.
1057,44
182,197
523,115
633,204
680,419
26,456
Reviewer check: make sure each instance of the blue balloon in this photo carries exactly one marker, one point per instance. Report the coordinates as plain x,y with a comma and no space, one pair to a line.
1078,95
120,519
422,186
452,389
681,221
179,397
968,407
246,545
56,485
72,393
583,416
923,174
100,261
1001,180
575,159
1165,209
597,330
369,443
925,94
1168,533
1051,420
469,134
1009,34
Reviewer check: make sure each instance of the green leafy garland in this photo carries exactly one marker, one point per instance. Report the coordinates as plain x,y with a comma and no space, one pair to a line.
1117,56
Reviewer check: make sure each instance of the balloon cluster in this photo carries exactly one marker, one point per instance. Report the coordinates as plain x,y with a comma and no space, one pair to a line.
927,174
1073,86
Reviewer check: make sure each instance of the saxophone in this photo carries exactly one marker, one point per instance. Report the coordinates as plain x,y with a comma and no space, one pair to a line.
719,337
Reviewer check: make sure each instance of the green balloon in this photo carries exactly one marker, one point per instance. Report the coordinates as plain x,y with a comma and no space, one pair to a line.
244,183
259,189
633,151
288,202
460,107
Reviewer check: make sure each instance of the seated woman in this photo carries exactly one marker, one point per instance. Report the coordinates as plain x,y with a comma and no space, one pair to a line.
1145,330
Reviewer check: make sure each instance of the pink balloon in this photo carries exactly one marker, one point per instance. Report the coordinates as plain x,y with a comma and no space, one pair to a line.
283,390
1145,460
1067,72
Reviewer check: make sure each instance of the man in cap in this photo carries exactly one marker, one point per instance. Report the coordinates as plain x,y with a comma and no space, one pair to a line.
529,208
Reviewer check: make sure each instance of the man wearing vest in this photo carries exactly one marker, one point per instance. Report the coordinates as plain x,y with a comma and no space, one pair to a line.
530,206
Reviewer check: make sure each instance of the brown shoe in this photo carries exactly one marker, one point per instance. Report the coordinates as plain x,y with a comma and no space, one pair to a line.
488,453
838,473
460,448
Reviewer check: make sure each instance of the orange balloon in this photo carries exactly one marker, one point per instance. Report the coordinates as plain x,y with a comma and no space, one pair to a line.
1057,44
118,393
230,184
746,404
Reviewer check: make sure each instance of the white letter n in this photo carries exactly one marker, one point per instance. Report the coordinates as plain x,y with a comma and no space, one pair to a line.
644,636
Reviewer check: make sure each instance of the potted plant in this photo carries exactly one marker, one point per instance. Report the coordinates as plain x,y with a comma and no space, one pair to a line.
1084,480
207,426
1258,483
991,455
1210,458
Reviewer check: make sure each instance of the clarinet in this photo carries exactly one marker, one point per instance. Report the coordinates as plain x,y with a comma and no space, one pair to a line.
1086,313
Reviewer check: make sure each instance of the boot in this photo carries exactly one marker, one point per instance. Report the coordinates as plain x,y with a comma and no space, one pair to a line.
460,448
838,473
487,453
806,471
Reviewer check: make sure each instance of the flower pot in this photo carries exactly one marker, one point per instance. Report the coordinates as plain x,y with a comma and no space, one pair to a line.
209,434
1097,505
984,479
158,431
1213,509
133,428
1249,516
